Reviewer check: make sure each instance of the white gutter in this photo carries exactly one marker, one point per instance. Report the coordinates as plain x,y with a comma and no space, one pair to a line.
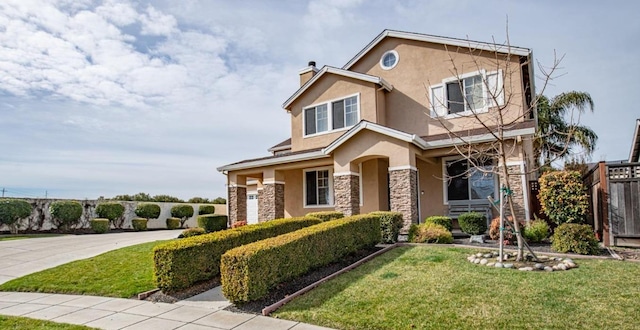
274,161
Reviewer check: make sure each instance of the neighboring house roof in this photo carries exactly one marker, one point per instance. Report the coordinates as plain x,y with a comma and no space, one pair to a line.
333,70
424,143
284,145
634,155
438,40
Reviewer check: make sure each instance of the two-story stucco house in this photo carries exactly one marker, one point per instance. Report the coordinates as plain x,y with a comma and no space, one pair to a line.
375,134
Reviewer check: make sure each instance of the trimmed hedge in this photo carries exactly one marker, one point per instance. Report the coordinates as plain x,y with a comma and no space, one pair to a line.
139,224
180,264
441,220
206,209
473,223
326,215
12,210
111,211
65,213
173,223
390,225
148,210
182,212
572,237
100,225
212,222
250,271
430,232
191,232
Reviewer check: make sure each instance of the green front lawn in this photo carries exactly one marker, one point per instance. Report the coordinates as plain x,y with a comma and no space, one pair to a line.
12,237
23,323
430,287
120,273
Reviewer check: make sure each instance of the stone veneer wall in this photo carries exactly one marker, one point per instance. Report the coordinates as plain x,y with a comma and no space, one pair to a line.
271,202
237,204
346,190
404,195
515,182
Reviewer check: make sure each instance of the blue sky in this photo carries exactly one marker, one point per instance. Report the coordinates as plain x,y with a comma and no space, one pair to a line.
99,98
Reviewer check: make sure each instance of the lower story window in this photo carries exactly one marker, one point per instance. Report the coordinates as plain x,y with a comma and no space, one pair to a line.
317,188
466,182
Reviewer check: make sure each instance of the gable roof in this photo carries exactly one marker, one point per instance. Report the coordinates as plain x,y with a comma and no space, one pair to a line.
634,155
341,72
284,145
438,40
363,124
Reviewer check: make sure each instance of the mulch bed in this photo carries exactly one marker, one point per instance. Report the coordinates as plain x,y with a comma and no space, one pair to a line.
173,297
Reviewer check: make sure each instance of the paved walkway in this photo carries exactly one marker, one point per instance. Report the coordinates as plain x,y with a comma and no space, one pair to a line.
204,311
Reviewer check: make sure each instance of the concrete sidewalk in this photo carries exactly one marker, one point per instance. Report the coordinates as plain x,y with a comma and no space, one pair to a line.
25,256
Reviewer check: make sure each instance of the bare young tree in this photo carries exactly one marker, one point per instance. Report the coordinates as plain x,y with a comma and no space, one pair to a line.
509,106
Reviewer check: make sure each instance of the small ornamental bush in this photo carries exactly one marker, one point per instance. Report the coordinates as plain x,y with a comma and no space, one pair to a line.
212,222
173,223
563,197
508,235
206,209
191,232
100,225
430,232
473,223
148,210
239,224
572,237
139,224
12,210
536,231
444,221
326,215
390,225
65,214
111,211
182,212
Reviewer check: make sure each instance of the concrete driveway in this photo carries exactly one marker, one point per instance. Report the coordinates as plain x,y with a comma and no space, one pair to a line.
25,256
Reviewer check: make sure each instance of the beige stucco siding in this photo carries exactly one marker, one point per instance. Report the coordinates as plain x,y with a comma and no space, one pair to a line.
294,195
374,186
421,65
431,185
367,145
328,88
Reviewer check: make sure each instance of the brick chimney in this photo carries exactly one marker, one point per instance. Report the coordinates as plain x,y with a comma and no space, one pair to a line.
307,73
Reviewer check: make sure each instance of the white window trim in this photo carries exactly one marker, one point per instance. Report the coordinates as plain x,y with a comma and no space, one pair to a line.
384,67
485,93
445,197
328,103
304,188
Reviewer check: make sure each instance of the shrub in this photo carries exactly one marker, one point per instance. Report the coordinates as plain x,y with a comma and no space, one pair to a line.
139,224
212,222
206,209
181,263
12,210
563,197
65,214
238,224
148,210
111,211
182,212
100,225
536,231
441,220
173,223
473,223
430,232
191,232
326,215
248,272
390,225
508,235
572,237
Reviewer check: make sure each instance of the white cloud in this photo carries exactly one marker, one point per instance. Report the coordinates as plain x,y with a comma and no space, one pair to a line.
157,23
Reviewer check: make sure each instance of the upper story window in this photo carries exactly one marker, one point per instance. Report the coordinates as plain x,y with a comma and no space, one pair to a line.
389,60
470,93
332,115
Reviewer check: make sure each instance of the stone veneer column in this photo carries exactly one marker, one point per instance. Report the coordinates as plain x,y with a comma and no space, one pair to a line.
237,204
403,195
515,182
346,189
271,202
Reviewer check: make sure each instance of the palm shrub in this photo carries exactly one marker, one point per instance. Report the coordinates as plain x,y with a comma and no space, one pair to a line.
572,237
206,209
444,221
65,214
99,225
430,232
563,197
183,212
148,210
536,231
473,223
12,210
113,212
